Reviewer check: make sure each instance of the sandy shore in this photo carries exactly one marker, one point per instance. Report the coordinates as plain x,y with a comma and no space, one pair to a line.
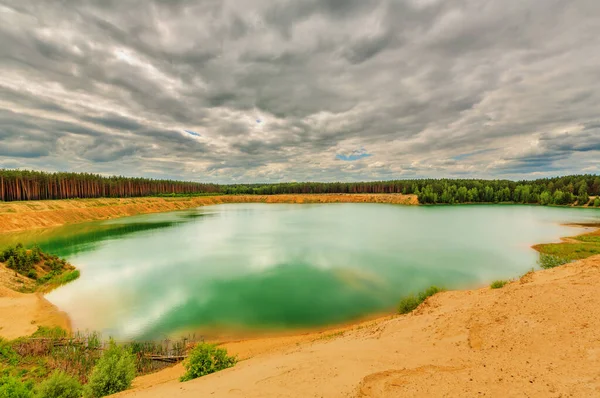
19,216
22,313
536,337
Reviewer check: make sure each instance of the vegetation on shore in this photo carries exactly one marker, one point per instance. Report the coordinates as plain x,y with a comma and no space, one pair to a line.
33,185
51,361
498,284
411,302
205,359
48,271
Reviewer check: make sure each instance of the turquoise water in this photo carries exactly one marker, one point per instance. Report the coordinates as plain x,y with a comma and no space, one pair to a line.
278,266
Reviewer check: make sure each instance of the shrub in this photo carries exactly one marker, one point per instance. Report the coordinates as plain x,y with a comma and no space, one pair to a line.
597,202
11,387
408,304
411,302
498,284
59,385
547,261
205,359
113,372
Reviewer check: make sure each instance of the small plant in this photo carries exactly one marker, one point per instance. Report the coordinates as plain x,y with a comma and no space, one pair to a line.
597,202
411,302
11,387
547,261
59,385
113,372
205,359
498,284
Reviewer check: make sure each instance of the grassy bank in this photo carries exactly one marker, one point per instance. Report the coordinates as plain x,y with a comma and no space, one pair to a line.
33,270
570,249
79,362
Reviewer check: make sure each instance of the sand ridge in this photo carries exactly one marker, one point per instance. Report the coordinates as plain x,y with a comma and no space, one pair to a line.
539,336
19,216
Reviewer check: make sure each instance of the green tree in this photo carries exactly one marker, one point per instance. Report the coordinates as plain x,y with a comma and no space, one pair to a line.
114,372
582,197
546,198
597,202
205,359
11,387
59,385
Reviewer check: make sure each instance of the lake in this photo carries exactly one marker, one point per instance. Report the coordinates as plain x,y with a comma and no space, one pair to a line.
257,267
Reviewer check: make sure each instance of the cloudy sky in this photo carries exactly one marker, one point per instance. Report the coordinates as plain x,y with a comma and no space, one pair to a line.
321,90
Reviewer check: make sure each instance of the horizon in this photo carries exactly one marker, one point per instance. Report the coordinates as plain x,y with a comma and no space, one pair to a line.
301,91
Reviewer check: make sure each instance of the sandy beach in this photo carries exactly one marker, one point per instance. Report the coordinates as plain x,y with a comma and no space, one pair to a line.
539,336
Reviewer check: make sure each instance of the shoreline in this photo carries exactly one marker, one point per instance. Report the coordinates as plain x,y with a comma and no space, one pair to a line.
263,348
59,318
30,215
533,337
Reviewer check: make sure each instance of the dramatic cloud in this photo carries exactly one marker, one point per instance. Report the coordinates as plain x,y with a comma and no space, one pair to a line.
269,90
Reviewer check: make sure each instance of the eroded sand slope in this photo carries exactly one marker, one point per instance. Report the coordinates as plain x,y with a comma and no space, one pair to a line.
18,216
537,337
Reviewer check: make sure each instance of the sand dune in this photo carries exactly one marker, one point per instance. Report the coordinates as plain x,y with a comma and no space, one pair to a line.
536,337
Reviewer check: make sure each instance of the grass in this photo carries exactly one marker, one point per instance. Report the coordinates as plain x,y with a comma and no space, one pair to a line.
569,251
33,359
411,302
498,284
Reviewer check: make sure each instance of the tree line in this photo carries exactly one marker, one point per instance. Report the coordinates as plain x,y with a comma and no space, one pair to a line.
36,185
33,185
547,191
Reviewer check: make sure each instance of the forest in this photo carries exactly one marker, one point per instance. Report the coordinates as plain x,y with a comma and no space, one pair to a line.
568,190
36,185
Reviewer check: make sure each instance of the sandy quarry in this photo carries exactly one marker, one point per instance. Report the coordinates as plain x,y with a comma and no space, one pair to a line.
536,337
19,216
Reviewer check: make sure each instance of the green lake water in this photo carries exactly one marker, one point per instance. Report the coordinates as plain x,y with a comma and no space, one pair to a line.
278,266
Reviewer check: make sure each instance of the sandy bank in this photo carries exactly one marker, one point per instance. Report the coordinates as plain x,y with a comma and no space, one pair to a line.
536,337
18,216
22,313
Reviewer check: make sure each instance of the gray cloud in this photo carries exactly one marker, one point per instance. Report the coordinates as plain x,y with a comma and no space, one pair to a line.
426,87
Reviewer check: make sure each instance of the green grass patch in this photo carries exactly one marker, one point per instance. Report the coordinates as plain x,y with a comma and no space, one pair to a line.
64,278
569,251
588,238
498,284
411,302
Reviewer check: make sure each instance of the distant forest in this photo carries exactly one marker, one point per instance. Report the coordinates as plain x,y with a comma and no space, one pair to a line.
34,185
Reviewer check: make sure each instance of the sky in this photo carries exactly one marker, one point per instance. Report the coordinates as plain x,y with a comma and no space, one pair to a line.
301,90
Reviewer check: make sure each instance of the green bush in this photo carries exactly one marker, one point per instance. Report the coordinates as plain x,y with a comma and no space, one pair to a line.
498,284
113,372
11,387
205,359
597,202
411,302
547,261
59,385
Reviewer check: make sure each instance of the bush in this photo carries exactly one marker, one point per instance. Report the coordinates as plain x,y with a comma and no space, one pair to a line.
205,359
411,302
498,284
597,202
547,261
113,372
11,387
59,385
